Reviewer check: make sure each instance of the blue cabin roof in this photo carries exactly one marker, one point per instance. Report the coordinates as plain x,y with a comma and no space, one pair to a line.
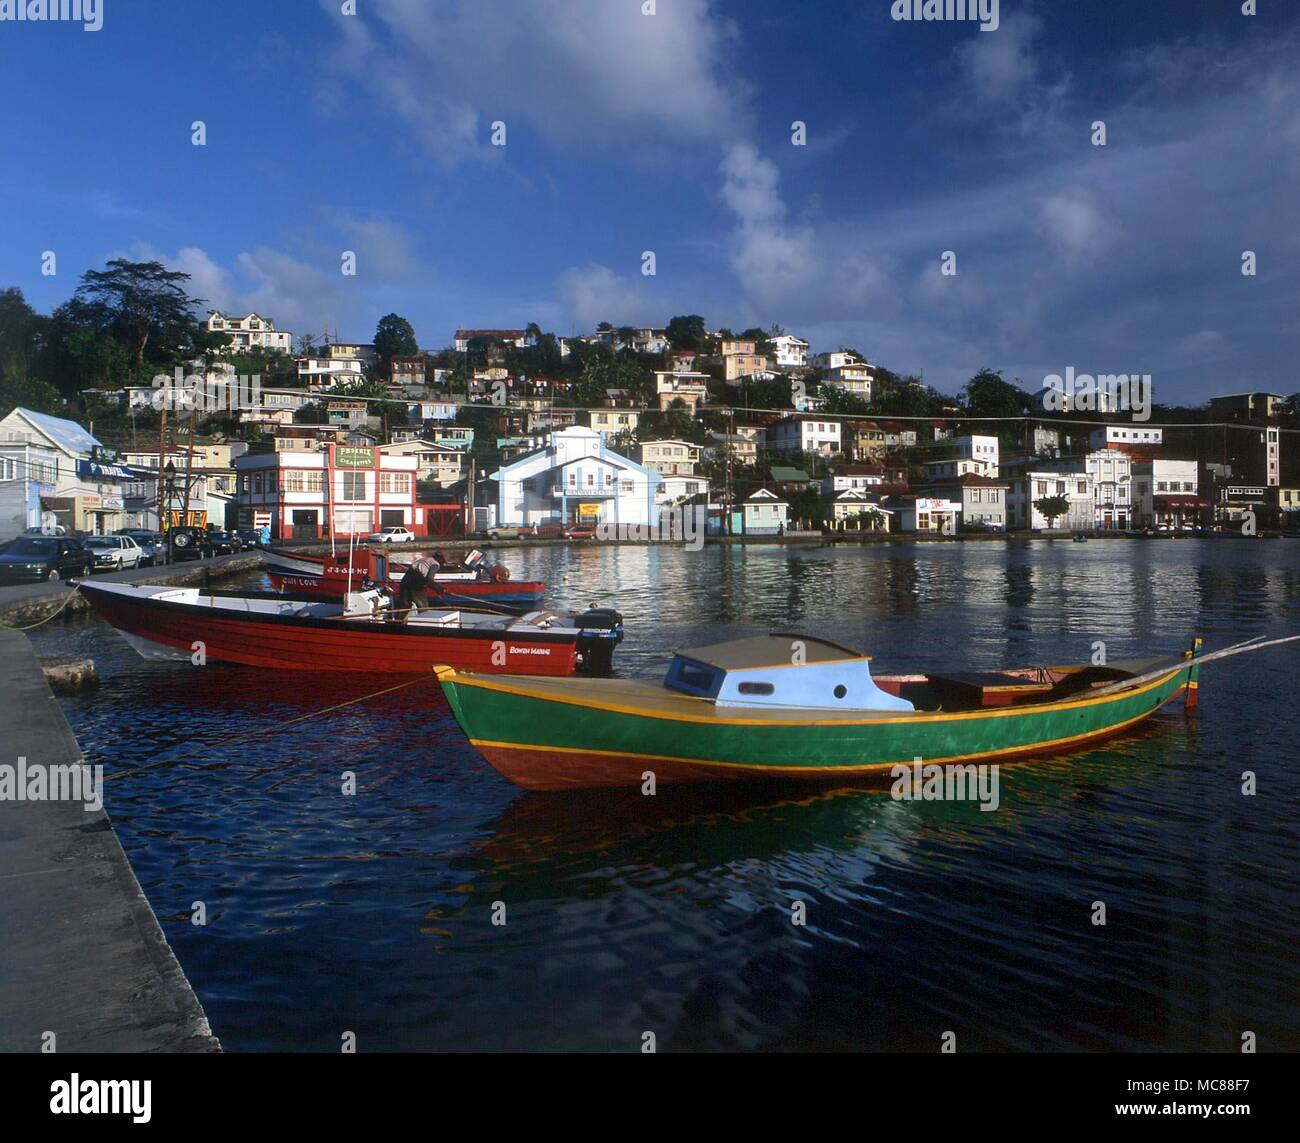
778,670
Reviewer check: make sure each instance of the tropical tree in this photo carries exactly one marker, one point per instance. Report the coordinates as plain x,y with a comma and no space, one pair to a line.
394,337
1053,507
144,305
987,395
687,332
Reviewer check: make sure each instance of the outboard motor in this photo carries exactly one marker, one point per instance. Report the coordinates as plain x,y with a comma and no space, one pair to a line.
600,630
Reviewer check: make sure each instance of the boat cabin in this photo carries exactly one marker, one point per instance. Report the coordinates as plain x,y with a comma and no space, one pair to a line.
787,671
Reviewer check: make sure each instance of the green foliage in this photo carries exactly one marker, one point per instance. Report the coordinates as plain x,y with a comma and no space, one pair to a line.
987,395
1053,507
687,332
394,337
144,306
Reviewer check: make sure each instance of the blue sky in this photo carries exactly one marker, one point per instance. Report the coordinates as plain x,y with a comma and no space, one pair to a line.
671,132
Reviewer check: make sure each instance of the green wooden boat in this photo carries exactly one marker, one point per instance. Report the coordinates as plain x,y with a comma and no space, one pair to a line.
795,707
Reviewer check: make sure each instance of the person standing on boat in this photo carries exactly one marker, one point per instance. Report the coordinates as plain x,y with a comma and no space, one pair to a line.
410,592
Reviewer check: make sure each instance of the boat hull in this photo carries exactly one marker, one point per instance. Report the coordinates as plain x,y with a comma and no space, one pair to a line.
286,642
541,743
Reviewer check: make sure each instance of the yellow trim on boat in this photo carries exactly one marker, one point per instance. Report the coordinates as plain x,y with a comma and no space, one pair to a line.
487,682
864,768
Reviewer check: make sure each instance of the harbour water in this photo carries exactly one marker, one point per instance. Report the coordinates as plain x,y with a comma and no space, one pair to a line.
373,913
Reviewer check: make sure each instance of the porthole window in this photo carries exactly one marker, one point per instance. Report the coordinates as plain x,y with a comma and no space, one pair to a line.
756,688
841,691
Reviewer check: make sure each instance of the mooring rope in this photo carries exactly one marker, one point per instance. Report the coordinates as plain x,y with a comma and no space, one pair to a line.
270,729
53,614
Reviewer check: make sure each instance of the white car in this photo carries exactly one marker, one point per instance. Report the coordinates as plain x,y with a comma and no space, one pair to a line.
113,553
391,536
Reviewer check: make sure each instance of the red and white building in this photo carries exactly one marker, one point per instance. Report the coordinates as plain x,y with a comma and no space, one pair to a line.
340,490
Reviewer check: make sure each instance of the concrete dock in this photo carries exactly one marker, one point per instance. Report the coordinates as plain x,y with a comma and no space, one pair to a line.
22,604
84,957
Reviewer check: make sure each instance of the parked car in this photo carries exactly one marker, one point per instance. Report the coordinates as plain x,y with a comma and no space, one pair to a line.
249,537
189,543
113,553
224,543
507,532
30,559
391,536
579,532
52,530
150,543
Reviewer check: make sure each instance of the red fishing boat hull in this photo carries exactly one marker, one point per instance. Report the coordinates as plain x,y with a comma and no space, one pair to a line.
311,644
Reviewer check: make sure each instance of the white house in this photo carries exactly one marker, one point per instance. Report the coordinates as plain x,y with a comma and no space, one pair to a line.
1166,495
1028,487
686,385
1140,437
804,433
982,449
441,464
251,332
575,478
846,370
788,351
853,478
1111,474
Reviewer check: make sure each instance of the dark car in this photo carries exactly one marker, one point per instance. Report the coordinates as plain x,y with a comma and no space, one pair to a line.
151,543
29,559
188,543
249,537
224,543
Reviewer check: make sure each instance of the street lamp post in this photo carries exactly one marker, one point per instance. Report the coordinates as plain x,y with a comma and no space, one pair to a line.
169,485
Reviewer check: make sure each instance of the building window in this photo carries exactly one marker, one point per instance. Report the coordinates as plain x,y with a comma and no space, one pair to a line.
399,482
8,468
354,486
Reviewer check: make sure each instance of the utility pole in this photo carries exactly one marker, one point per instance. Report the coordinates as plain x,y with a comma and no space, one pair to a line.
162,460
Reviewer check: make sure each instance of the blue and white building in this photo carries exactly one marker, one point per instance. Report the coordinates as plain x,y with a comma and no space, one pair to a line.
572,479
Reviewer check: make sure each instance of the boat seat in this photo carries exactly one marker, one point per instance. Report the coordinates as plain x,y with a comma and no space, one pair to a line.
987,688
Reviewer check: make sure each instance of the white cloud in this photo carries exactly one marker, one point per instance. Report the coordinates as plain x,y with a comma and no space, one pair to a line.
589,72
998,67
594,293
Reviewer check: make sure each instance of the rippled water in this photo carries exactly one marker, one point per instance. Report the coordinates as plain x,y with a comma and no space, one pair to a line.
625,914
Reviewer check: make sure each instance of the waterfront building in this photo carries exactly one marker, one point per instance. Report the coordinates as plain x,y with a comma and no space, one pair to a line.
88,481
854,509
764,513
27,478
983,499
339,490
575,478
1110,473
250,332
1030,485
1166,495
928,515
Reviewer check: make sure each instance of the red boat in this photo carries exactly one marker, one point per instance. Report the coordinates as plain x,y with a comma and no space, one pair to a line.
358,633
303,574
